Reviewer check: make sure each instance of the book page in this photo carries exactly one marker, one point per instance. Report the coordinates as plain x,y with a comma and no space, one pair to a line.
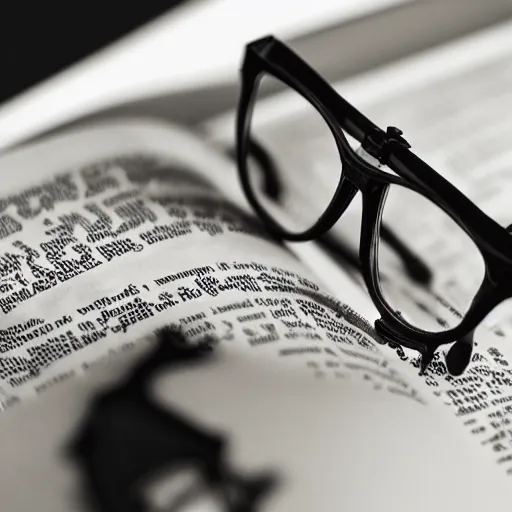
129,232
113,232
451,104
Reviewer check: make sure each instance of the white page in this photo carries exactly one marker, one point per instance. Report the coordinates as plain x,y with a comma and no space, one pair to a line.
451,104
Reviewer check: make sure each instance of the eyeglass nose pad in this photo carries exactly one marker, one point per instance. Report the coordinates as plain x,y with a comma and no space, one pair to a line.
367,157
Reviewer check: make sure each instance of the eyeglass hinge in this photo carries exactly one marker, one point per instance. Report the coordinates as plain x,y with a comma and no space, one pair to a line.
381,144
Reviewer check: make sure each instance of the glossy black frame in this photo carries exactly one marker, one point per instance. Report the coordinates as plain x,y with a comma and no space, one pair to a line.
269,55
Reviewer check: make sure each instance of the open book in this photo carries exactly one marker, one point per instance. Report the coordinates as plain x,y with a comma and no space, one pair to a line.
111,232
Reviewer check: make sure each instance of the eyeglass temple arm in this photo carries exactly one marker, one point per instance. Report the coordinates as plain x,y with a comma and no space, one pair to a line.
416,268
272,185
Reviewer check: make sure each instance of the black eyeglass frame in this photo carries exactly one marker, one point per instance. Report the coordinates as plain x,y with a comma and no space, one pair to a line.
269,55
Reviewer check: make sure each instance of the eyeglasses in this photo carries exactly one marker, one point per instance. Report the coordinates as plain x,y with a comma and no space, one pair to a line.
397,189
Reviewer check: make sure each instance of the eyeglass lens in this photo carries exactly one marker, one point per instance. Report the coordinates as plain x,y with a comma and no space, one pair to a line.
441,243
307,185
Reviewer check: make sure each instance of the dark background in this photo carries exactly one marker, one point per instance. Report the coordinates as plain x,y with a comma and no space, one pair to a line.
38,39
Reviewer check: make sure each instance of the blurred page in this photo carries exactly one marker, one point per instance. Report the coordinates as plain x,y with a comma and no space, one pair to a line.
329,445
167,55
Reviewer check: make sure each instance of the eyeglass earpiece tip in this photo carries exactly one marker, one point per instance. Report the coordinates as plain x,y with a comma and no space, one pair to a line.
458,357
